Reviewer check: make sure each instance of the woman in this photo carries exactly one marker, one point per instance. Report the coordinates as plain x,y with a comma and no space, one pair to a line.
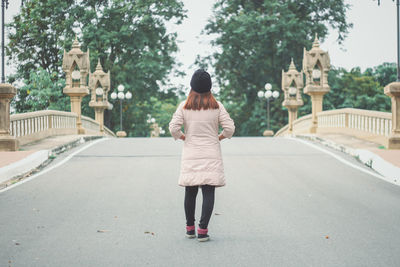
201,162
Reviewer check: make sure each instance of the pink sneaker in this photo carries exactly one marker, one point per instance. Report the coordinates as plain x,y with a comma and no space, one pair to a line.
202,235
190,231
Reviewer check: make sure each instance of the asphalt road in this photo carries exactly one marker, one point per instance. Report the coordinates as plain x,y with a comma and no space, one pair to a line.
117,203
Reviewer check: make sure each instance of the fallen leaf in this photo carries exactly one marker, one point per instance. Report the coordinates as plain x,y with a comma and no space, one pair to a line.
17,243
103,231
327,237
217,213
147,232
115,217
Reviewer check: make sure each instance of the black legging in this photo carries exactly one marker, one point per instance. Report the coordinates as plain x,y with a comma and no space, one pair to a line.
207,208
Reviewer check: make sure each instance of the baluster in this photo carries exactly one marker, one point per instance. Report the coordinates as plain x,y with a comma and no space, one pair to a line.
363,123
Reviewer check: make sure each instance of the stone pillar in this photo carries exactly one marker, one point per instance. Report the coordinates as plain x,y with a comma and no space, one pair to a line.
76,66
292,83
76,104
292,112
7,142
316,65
393,90
316,105
99,85
99,117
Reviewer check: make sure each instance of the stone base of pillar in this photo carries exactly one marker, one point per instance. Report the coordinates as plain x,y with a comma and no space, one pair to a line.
268,133
81,131
313,129
8,144
121,134
393,142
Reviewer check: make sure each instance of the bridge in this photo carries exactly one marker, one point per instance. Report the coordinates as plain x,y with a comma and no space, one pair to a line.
115,202
323,191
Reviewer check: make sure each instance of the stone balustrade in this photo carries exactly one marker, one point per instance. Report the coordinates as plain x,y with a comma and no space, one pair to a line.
33,126
365,124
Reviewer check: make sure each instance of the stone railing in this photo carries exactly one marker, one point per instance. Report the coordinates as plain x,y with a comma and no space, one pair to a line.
301,125
366,124
33,126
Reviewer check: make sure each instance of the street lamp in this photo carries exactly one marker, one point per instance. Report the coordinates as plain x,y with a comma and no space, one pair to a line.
268,94
121,96
4,6
398,38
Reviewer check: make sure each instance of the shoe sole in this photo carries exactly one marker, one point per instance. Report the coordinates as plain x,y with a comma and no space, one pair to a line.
203,239
190,236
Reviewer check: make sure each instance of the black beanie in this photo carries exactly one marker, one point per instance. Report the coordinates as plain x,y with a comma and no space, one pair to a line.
201,81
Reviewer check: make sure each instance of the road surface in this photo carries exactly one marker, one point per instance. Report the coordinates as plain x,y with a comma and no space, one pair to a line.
117,203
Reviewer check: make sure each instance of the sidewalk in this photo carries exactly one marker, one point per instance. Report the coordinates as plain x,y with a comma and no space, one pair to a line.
386,162
16,164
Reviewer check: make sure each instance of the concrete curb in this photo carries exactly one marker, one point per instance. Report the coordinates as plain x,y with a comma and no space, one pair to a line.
368,158
38,159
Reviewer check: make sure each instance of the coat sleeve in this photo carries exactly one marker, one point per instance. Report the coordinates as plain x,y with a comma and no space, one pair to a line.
226,122
176,122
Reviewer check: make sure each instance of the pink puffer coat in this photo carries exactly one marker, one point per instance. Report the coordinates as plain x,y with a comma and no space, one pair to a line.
201,156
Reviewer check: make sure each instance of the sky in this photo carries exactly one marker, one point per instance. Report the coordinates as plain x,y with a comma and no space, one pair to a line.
371,41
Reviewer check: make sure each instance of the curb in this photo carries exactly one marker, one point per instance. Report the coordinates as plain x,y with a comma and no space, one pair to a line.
368,158
36,161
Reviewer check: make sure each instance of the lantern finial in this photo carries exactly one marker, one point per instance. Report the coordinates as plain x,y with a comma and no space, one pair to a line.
316,41
99,67
76,44
292,66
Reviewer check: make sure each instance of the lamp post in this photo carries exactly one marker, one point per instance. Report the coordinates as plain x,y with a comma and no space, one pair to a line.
121,96
292,83
7,92
316,65
268,94
393,91
99,85
4,6
398,38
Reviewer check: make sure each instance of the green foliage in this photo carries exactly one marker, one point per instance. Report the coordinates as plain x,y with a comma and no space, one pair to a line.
38,34
256,39
355,89
40,93
129,37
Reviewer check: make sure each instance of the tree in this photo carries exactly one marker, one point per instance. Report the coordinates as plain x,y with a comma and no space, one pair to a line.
39,92
256,40
129,37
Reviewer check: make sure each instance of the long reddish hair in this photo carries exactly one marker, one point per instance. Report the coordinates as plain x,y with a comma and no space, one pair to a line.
197,101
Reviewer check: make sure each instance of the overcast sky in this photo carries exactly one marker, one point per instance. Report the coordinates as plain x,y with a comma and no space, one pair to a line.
372,41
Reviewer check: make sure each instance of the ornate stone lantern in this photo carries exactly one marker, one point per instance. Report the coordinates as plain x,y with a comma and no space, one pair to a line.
316,65
292,83
99,84
76,66
393,90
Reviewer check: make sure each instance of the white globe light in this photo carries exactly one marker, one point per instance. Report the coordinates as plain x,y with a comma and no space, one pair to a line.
268,94
292,90
316,73
110,106
275,94
99,91
121,95
153,120
260,94
162,132
128,95
114,95
121,88
76,75
268,86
